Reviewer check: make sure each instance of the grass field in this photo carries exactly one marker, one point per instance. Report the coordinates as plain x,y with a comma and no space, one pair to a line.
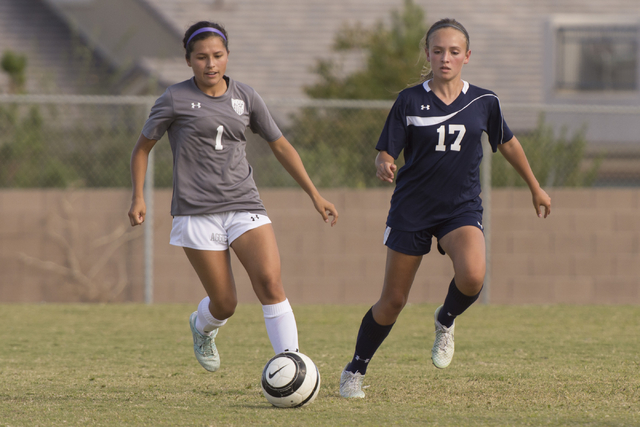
110,365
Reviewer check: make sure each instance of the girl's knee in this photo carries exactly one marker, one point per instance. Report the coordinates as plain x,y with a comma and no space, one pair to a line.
392,306
470,284
223,309
469,279
270,290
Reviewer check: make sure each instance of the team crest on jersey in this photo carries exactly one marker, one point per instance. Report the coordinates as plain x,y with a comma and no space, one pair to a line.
238,106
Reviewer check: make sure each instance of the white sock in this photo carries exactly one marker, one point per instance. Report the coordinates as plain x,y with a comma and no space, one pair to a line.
205,322
281,326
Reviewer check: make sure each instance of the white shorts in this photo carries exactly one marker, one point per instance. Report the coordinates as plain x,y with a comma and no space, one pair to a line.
213,232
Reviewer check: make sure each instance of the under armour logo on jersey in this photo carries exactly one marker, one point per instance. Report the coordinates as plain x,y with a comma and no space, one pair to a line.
195,105
425,107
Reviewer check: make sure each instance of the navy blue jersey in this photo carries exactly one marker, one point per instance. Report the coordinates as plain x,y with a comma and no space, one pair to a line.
442,150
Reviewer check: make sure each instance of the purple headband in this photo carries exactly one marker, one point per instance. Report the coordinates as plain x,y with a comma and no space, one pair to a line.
206,30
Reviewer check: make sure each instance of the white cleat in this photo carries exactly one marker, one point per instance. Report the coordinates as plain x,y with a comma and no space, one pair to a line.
204,347
351,384
443,346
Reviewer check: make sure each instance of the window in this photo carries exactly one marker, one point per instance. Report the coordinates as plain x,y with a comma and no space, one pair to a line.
591,57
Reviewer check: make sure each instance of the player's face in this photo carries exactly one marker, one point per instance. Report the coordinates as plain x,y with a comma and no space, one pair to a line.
209,63
447,53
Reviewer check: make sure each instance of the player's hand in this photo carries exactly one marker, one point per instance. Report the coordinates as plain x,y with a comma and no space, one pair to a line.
386,171
137,212
326,209
541,200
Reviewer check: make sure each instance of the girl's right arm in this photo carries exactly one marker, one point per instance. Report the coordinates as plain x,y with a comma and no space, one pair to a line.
139,160
385,166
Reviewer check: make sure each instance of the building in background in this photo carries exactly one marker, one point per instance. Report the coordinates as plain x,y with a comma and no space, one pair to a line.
61,58
580,52
529,51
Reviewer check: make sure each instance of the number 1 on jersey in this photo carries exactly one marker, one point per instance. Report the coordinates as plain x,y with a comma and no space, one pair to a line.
218,145
459,129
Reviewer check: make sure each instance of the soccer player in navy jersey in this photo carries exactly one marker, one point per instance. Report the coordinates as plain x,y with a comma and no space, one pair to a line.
215,204
438,124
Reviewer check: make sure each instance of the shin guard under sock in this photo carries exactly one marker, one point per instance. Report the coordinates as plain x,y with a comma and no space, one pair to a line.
455,304
205,322
370,337
281,326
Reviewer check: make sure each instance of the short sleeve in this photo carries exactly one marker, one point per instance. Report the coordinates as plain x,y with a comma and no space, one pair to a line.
160,118
261,122
497,129
394,134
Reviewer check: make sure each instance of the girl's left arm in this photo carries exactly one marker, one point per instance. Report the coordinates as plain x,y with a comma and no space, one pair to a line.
513,152
290,160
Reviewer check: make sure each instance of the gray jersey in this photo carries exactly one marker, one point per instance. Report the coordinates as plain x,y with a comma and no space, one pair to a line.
210,169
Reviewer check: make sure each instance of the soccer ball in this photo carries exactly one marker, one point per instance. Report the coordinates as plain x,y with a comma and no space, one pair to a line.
290,380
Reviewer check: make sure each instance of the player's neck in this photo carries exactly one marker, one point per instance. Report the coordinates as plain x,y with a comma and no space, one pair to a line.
446,90
219,89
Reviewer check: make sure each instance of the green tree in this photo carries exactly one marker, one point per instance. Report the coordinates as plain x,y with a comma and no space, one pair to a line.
337,145
92,151
15,66
394,58
26,158
556,161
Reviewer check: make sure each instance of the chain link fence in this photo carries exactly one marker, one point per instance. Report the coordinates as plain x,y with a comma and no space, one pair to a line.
86,142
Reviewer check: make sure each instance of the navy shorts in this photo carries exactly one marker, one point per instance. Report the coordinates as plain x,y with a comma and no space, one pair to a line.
419,242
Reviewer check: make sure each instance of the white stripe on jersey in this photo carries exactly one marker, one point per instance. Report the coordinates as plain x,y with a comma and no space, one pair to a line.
431,121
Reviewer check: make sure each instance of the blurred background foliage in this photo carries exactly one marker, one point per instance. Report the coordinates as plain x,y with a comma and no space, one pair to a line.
90,145
556,160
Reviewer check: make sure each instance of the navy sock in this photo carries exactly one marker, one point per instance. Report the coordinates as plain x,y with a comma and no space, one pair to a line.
370,336
455,304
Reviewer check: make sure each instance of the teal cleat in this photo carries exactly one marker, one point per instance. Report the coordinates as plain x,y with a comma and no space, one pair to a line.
204,347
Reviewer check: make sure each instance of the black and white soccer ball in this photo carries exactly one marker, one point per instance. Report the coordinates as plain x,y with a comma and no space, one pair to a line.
290,380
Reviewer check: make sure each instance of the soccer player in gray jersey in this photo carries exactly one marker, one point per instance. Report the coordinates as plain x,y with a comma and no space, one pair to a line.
215,202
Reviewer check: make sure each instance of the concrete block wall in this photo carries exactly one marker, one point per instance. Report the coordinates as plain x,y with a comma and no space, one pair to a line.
63,246
586,252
